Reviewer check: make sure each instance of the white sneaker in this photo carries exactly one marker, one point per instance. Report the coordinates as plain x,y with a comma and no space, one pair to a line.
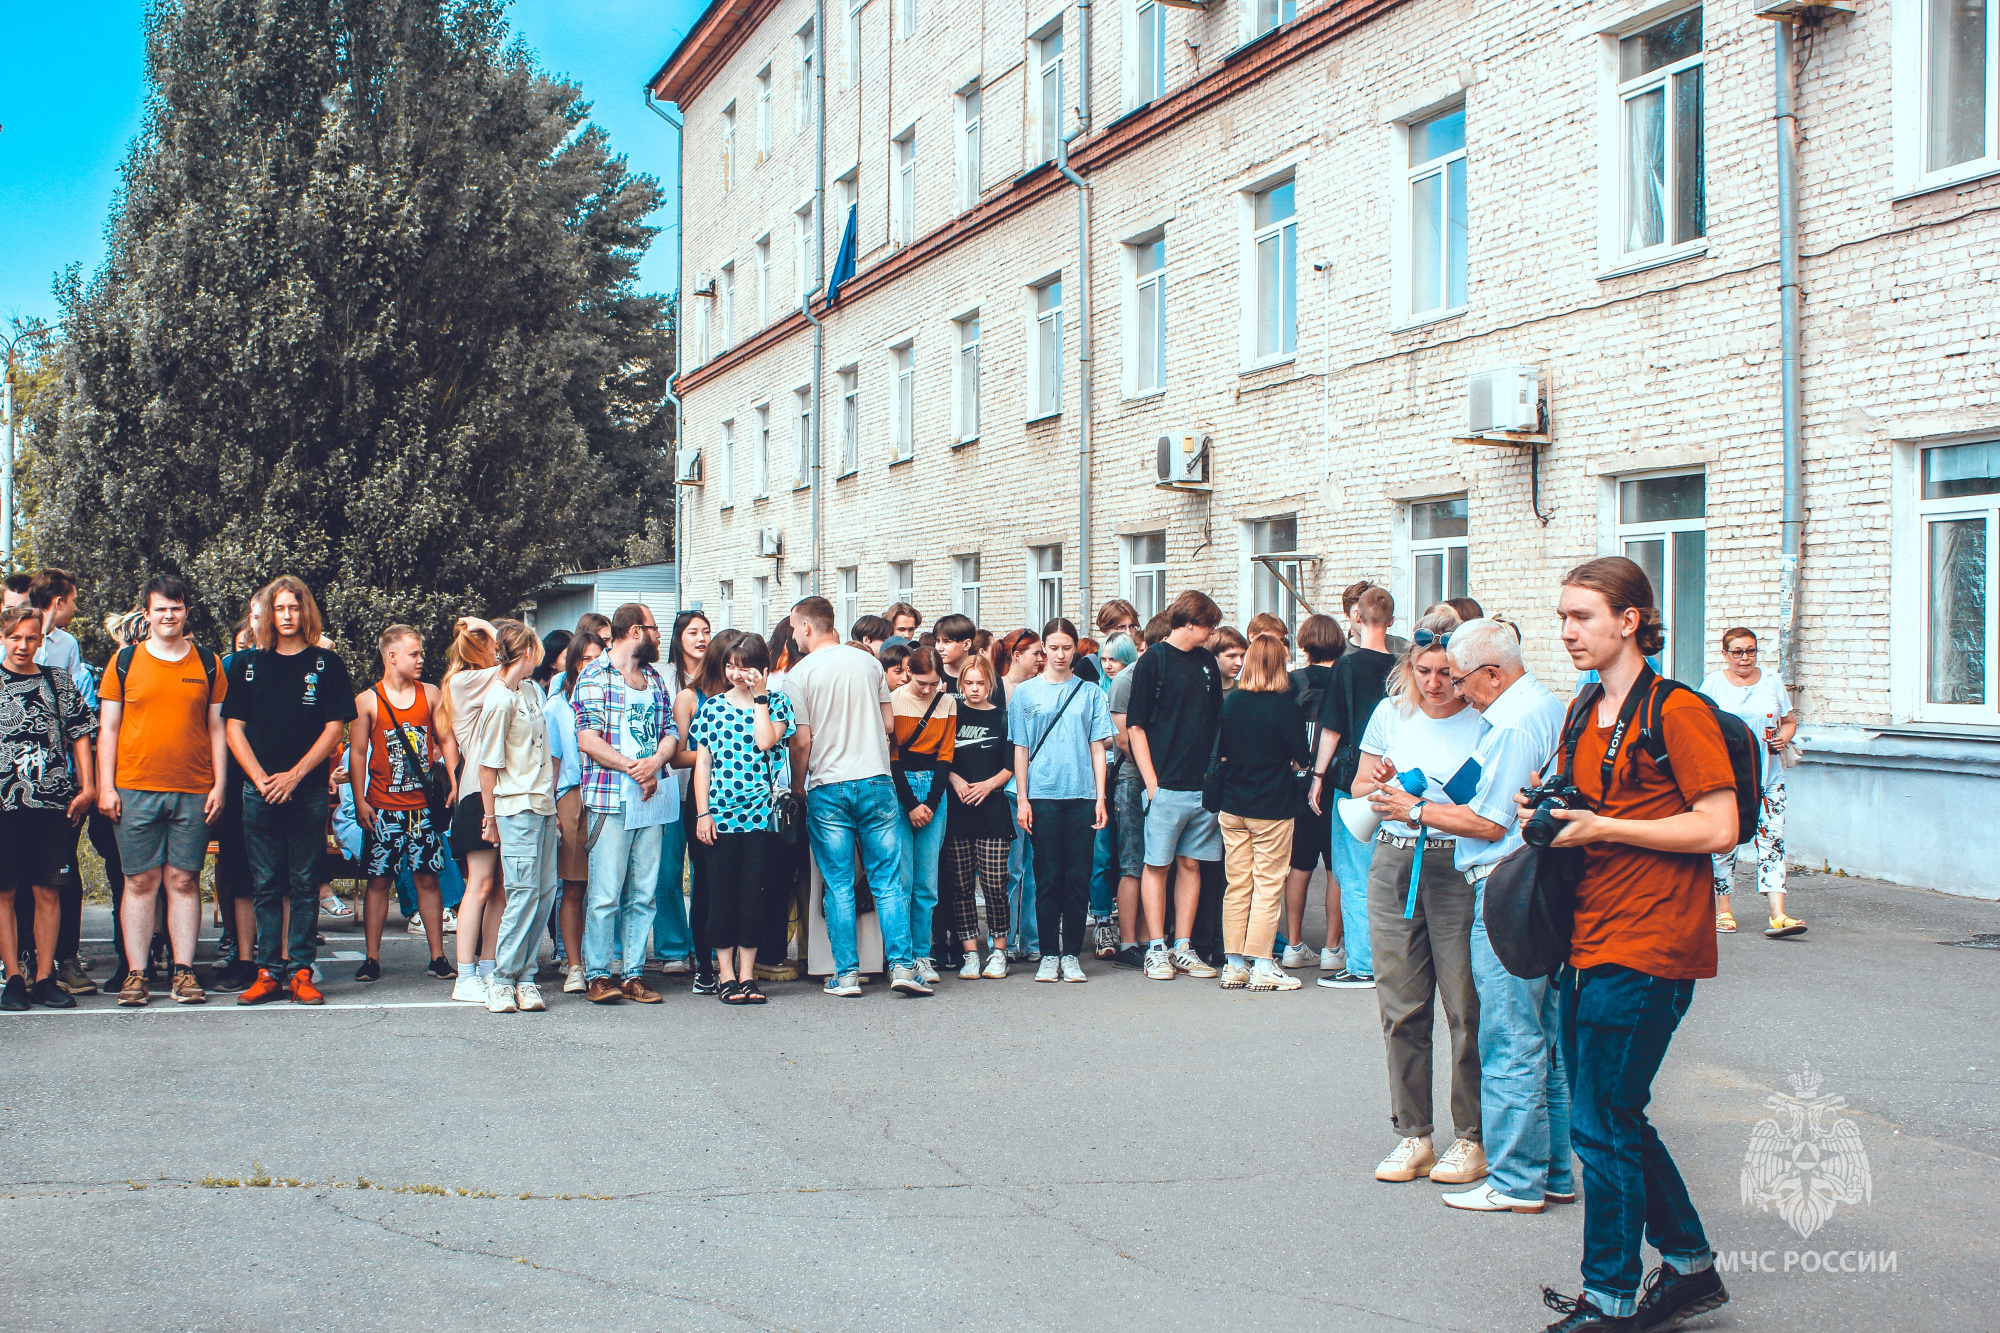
529,996
1188,961
846,987
1050,970
332,906
927,972
450,921
996,966
469,989
573,983
1272,978
1159,967
905,981
1296,955
500,998
1333,960
969,969
1235,976
416,926
675,967
1484,1198
1072,968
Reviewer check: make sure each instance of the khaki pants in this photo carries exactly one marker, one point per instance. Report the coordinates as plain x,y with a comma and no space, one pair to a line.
1417,961
1256,856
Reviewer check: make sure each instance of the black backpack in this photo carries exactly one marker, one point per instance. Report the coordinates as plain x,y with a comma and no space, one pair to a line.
1746,751
123,665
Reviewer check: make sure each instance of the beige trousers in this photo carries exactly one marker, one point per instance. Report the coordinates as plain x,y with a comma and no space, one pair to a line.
1256,857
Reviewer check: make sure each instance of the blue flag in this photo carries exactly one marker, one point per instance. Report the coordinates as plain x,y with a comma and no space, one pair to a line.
843,264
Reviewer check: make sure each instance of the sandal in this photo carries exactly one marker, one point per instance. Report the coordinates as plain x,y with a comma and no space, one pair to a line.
748,992
731,992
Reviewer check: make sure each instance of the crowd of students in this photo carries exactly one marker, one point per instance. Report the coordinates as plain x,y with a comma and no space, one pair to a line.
1157,796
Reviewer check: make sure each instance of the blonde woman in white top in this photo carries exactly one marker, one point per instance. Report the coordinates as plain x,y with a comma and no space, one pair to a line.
517,792
473,664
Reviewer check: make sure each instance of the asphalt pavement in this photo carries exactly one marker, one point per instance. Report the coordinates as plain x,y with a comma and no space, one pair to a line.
1002,1155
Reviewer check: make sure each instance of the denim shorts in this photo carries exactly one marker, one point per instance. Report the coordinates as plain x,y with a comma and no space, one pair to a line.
157,828
1176,825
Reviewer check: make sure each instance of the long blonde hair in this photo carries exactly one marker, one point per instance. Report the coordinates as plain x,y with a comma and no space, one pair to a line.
472,650
1402,683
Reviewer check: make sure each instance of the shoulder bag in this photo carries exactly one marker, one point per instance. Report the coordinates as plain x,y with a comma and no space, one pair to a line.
437,782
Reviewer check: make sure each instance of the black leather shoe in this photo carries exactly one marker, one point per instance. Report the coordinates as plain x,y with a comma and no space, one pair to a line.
1580,1316
14,996
1670,1297
49,994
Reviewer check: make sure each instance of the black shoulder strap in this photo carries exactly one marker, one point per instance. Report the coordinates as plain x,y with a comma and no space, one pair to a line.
1051,729
1579,715
1652,729
925,721
207,667
124,668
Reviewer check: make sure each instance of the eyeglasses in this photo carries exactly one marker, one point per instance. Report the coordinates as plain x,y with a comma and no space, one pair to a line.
1457,681
1751,651
1423,638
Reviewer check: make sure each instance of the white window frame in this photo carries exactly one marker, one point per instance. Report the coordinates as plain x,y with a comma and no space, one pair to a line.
903,402
853,64
1045,344
1045,584
1048,92
1261,16
729,148
805,50
802,585
1283,234
903,163
1145,52
1909,82
760,605
1404,181
802,252
763,254
1257,588
1910,602
971,104
965,384
1417,548
802,410
761,458
902,582
965,590
850,421
1145,291
1665,594
1142,579
906,18
725,602
704,319
1612,94
764,113
727,449
850,599
726,286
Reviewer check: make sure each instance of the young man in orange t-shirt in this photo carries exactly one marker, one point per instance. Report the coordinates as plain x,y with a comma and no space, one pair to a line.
1643,936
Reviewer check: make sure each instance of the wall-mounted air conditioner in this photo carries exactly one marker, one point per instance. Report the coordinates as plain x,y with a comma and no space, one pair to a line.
687,467
1182,461
704,285
1504,398
770,543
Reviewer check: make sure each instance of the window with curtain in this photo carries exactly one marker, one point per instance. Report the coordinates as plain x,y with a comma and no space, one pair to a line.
1660,99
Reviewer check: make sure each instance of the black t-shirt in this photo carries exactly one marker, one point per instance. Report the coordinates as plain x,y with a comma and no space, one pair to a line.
284,702
1263,735
42,717
1177,700
982,749
1351,694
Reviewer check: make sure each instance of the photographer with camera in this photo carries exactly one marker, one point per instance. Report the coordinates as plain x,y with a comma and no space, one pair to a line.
1642,936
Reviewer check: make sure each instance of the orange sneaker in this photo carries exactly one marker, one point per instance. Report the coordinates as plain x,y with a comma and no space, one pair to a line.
264,989
303,990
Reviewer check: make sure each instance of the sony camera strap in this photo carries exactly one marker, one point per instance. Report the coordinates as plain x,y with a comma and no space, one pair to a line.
1640,689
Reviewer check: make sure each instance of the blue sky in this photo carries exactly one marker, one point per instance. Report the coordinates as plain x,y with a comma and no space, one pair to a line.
69,106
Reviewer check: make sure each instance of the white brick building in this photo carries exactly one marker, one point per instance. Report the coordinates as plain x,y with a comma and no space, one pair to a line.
1305,232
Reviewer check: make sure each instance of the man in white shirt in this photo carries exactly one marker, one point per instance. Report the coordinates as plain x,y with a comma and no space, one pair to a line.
842,701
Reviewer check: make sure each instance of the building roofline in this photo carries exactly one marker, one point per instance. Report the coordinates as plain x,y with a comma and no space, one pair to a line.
717,35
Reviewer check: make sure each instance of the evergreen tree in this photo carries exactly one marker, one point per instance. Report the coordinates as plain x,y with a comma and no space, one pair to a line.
367,317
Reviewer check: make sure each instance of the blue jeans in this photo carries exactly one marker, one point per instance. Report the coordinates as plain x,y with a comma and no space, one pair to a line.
618,902
671,938
1523,1091
284,844
1104,872
1616,1024
528,862
1351,859
861,815
920,849
1021,888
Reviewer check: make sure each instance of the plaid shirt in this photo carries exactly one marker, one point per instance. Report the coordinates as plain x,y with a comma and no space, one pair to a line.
600,705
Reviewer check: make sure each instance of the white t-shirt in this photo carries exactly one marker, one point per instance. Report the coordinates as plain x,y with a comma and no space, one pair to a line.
1760,704
1436,746
839,692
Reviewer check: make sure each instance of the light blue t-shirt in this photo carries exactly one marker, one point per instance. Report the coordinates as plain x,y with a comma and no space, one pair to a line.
1061,769
562,742
1523,729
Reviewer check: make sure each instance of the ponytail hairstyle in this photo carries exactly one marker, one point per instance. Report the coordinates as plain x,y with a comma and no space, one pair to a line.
1624,587
471,650
1062,626
1010,646
1401,686
517,642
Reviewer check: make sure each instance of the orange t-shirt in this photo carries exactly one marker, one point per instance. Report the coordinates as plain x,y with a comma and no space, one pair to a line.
163,740
1646,910
392,785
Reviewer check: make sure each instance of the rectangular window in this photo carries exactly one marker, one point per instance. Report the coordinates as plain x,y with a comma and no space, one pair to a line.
761,462
1959,504
704,320
1272,13
902,581
1046,399
805,52
802,430
850,420
903,406
1959,85
728,148
1275,240
1662,526
763,280
969,104
760,606
1148,62
1148,365
728,306
967,373
1045,578
803,259
802,586
725,602
904,222
850,600
1046,105
906,18
854,41
1661,152
1436,184
1437,552
763,113
1146,574
1275,536
965,586
728,464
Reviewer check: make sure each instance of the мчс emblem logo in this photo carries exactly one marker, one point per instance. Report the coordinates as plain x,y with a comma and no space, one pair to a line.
1808,1161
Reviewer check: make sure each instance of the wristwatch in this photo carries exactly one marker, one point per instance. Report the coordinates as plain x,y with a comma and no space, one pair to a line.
760,698
1416,815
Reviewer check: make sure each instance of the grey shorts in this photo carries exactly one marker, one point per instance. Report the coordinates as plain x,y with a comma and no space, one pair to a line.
1128,813
157,828
1176,825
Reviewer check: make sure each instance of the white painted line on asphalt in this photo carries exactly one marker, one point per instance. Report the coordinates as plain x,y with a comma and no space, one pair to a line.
276,1007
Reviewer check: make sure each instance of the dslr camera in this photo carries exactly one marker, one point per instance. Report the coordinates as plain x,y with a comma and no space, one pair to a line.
1557,793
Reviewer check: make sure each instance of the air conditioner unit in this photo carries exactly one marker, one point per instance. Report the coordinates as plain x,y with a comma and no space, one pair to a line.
1504,398
770,543
704,285
1183,460
687,467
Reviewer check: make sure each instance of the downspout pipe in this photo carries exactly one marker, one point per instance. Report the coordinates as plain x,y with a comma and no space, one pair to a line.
1083,309
1793,522
819,275
672,115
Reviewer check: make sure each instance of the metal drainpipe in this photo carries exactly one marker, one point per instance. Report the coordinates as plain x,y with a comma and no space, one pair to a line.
819,269
679,123
1083,305
1793,524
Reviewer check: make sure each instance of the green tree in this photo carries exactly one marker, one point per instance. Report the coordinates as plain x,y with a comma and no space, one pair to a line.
368,317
